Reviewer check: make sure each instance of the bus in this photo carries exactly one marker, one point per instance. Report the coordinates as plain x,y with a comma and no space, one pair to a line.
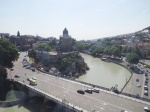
33,82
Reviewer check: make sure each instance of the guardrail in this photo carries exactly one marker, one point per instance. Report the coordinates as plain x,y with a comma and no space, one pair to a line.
133,96
100,87
107,89
54,98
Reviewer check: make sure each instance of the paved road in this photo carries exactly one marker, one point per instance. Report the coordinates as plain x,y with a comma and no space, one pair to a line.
64,89
132,88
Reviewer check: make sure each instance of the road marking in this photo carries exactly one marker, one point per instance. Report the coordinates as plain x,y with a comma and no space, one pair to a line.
88,96
99,107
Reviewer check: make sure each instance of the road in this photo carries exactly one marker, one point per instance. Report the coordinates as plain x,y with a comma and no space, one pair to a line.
65,89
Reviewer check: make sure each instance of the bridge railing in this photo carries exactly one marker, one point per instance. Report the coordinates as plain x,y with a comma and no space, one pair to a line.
100,87
134,96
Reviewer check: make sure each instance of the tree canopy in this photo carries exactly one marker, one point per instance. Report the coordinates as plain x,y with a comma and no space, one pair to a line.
8,53
132,58
43,47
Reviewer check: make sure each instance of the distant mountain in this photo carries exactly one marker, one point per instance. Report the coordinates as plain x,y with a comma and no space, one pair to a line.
147,28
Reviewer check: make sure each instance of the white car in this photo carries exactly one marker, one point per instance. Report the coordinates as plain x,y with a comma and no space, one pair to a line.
139,85
146,93
34,78
147,109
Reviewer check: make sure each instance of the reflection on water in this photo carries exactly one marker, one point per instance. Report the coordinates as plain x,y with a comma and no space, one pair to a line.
104,74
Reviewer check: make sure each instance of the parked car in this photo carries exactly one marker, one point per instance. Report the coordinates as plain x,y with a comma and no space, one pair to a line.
33,69
28,67
29,79
17,76
145,88
95,90
88,91
137,95
146,81
124,111
139,85
34,78
24,59
137,80
146,93
81,91
11,69
147,109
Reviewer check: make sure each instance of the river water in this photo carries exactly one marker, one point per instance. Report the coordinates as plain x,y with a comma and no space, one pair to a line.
105,74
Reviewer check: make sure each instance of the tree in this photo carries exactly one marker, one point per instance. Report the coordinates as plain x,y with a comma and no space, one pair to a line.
132,58
137,51
8,53
43,47
32,54
3,73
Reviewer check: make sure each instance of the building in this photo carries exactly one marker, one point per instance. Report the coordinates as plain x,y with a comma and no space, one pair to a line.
66,42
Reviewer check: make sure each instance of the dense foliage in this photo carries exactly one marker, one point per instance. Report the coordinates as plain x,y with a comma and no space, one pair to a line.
8,53
132,58
72,63
43,47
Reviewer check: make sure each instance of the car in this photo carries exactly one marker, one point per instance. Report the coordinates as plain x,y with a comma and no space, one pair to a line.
145,87
25,65
28,67
81,91
17,76
11,69
139,85
29,79
34,78
146,93
146,81
146,84
147,109
145,74
33,69
24,59
137,80
88,91
147,78
124,111
95,90
137,95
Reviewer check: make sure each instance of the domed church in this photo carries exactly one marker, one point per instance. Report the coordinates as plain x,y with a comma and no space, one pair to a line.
66,42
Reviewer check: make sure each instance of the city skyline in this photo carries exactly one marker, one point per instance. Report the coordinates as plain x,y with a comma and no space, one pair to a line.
84,19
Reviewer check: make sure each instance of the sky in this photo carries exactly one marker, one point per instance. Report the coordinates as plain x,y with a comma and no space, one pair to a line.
84,19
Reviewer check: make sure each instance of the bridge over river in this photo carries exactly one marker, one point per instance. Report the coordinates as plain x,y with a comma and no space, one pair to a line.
65,90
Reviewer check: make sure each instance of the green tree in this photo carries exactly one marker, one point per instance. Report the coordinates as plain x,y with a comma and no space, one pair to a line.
3,73
132,58
8,53
43,47
32,54
137,51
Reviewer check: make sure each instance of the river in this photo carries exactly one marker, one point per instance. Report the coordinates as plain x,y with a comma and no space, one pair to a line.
105,74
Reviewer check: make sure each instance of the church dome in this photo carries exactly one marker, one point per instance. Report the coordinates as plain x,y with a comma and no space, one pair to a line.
65,32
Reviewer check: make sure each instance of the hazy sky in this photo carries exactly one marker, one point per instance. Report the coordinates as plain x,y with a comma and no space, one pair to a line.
84,19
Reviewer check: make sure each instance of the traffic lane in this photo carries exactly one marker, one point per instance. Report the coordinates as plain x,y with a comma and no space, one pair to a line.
30,71
109,98
121,102
138,90
66,82
72,96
